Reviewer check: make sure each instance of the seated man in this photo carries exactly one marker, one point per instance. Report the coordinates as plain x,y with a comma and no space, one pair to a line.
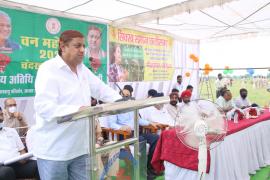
190,88
185,96
224,101
125,93
189,112
194,107
125,122
128,88
12,146
177,92
242,102
157,114
151,93
13,118
172,107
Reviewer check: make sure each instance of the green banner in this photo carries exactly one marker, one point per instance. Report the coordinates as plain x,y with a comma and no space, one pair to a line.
28,39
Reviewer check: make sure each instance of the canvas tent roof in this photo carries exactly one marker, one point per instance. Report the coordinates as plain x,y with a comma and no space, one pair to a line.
192,19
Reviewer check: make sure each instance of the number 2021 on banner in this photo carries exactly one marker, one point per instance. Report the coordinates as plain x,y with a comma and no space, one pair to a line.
47,54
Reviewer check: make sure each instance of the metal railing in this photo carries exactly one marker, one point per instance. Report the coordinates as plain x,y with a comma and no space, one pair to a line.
110,109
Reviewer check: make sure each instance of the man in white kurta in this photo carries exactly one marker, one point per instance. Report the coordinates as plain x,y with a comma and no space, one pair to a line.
65,85
226,103
172,107
220,83
178,85
242,102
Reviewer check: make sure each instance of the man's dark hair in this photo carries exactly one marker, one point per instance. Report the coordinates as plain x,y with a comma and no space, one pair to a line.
189,87
243,90
254,105
129,88
152,92
173,94
67,36
224,91
179,76
175,90
159,94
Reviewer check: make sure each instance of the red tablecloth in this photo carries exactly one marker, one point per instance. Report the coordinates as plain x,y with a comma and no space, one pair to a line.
169,147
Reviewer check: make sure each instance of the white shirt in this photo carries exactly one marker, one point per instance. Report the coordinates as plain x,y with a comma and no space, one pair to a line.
59,91
178,86
11,144
240,102
225,105
220,83
172,110
162,116
189,114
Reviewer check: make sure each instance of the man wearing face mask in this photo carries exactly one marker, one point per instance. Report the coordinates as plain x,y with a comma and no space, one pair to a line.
13,118
12,146
242,102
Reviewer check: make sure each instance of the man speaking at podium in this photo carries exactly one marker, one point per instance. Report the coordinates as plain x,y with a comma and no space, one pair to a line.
65,85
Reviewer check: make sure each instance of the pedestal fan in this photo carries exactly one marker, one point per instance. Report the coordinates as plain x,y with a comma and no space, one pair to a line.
198,124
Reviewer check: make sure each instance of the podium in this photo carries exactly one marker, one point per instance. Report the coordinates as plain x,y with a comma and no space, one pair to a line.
92,113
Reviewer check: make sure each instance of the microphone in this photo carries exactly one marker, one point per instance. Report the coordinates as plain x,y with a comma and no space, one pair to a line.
91,59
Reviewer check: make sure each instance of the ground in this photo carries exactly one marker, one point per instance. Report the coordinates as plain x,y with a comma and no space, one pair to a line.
256,95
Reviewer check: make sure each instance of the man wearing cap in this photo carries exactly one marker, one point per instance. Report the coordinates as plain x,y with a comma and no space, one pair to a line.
65,85
186,96
189,111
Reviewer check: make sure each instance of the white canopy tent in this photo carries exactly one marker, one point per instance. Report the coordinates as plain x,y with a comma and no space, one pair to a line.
191,19
187,21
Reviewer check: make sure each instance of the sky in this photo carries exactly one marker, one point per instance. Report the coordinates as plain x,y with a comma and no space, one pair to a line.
244,52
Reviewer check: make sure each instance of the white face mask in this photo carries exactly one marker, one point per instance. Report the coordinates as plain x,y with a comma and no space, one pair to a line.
12,109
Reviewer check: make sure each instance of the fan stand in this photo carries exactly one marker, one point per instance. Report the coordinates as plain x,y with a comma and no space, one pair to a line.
202,157
201,129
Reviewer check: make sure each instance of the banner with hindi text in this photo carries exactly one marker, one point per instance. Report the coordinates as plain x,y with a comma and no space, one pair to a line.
28,39
139,56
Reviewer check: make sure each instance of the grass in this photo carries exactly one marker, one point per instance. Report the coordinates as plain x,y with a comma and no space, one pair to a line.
259,96
262,174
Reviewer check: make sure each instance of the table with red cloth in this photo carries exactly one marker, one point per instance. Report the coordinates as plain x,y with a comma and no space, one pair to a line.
170,148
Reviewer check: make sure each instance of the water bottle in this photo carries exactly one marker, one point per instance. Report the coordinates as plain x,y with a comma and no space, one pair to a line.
247,114
235,117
